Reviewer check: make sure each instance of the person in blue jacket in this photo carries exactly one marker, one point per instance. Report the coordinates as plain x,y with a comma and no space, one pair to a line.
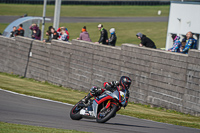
113,38
177,44
190,44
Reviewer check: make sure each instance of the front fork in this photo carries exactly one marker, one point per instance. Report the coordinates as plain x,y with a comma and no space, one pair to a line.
109,103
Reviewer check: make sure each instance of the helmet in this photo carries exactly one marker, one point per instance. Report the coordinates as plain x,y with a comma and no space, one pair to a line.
125,82
112,30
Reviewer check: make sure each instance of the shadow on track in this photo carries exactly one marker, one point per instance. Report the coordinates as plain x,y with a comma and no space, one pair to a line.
121,124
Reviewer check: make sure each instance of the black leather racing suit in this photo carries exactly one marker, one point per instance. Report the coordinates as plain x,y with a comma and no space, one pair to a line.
103,37
95,91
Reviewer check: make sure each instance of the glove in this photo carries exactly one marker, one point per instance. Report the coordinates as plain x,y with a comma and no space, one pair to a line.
95,90
114,83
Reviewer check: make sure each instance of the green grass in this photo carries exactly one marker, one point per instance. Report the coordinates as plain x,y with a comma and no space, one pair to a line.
17,128
40,89
46,90
126,32
84,11
3,26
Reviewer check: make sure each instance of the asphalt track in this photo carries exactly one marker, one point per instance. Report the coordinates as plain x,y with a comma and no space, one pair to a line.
9,19
21,109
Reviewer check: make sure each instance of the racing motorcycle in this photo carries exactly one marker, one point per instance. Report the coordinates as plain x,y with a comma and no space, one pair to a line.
102,108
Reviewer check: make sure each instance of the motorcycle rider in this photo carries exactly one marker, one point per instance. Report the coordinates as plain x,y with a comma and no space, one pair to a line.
123,83
104,35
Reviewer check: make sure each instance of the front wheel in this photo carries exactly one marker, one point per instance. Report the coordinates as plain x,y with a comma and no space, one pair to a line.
106,113
75,112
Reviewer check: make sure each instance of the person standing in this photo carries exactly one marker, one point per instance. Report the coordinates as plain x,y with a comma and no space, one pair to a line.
63,35
54,34
104,35
59,32
113,38
36,32
84,35
31,28
20,30
145,41
14,32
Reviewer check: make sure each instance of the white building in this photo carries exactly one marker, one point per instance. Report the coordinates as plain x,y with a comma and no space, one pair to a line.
183,17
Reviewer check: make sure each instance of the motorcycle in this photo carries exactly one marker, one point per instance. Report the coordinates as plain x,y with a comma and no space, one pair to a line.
102,108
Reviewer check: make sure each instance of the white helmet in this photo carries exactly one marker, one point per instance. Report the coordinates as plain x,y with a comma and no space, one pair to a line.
112,30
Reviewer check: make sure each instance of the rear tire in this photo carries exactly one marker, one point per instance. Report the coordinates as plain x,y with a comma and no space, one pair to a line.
75,112
105,115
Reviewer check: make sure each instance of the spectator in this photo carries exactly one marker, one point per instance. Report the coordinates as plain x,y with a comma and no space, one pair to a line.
31,28
84,35
66,30
104,35
145,41
54,34
113,38
183,42
36,32
14,32
48,33
20,30
50,28
177,44
64,35
191,43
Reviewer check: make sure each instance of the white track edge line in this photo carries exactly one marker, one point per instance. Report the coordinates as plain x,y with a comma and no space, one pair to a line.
44,99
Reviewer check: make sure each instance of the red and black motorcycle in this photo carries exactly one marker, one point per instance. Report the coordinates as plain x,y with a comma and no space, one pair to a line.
101,108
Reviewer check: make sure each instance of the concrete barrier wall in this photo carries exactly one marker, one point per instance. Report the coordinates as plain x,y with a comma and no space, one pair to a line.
160,78
38,64
14,54
80,73
192,89
59,63
18,55
4,46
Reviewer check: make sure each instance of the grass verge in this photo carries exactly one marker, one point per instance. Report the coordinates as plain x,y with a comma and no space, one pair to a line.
84,10
46,90
17,128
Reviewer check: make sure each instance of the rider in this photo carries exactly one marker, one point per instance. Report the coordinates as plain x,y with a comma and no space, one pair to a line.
124,83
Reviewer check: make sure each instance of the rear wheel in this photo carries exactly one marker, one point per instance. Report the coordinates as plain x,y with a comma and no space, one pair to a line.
106,113
75,112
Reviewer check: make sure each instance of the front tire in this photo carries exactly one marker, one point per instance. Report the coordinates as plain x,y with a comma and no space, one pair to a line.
75,112
105,114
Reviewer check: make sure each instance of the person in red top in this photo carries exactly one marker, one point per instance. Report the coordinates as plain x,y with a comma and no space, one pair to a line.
20,30
59,31
124,83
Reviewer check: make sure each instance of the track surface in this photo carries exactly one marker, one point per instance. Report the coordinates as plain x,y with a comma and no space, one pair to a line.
9,19
20,109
